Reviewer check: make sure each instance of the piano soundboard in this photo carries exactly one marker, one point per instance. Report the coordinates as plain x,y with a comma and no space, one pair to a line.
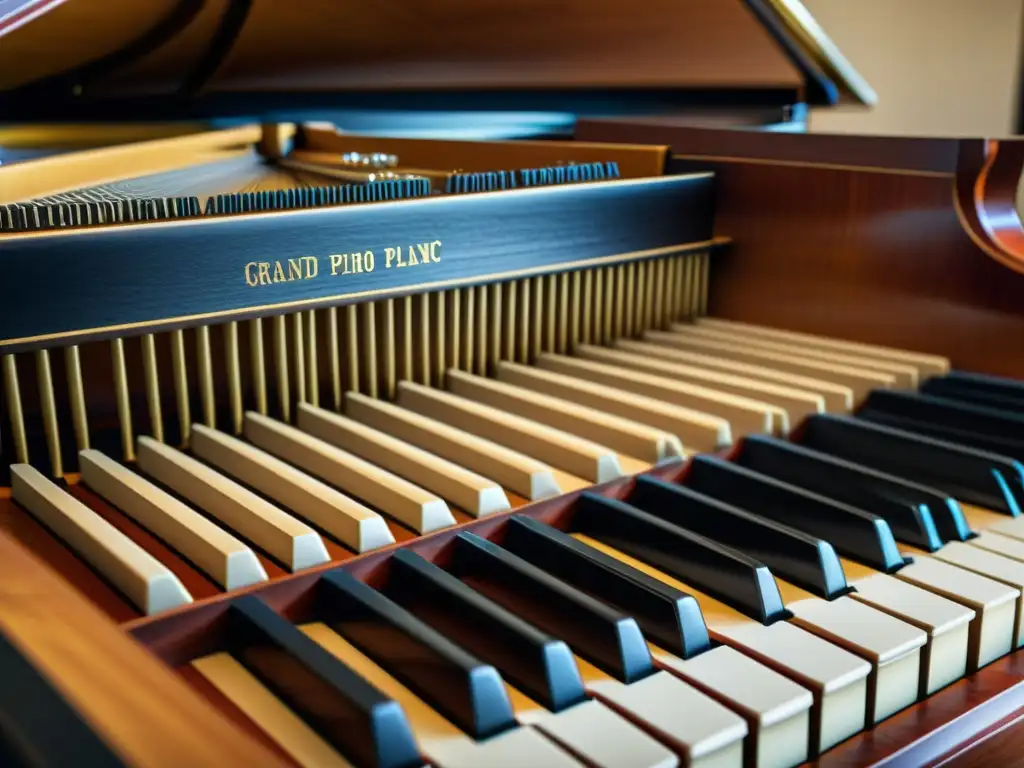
344,451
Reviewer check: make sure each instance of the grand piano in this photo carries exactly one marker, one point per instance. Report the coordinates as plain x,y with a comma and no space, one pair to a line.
497,384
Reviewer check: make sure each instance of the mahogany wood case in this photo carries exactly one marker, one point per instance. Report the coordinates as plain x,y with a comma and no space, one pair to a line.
896,241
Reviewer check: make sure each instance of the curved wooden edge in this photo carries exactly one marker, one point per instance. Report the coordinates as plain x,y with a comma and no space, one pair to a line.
142,709
985,195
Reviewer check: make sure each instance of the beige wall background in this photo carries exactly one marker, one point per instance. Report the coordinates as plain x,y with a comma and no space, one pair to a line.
940,67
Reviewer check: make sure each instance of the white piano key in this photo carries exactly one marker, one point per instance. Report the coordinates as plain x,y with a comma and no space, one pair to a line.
654,707
993,629
836,679
623,435
926,364
710,734
588,460
594,732
351,523
408,503
145,581
946,623
859,380
699,431
995,522
277,533
992,566
442,743
838,399
744,414
999,544
226,559
892,646
905,375
239,686
518,473
777,710
797,403
471,492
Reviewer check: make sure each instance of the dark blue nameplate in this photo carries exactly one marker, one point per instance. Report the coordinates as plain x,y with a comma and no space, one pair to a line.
66,287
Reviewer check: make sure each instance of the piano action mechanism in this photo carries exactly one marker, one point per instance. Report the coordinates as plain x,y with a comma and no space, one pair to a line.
662,445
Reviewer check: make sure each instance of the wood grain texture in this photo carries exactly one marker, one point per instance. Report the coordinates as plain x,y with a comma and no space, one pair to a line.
139,707
858,238
313,44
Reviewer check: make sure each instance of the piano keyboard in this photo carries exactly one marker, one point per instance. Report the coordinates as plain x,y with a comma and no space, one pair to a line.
819,534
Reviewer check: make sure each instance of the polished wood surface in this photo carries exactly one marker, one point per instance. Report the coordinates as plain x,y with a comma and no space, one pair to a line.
147,714
319,44
858,238
666,52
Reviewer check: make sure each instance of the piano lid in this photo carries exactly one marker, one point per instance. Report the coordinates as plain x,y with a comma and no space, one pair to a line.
202,58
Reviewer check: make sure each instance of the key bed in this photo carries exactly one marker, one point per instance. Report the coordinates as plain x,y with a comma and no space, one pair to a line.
834,684
564,517
912,653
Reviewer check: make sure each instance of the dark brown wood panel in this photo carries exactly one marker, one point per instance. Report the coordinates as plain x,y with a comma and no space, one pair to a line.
938,155
326,45
872,256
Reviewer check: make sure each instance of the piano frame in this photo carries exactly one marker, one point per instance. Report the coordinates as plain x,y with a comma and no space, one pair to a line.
918,251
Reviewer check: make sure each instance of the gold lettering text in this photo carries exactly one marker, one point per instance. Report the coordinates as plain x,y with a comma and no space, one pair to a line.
339,264
259,273
312,266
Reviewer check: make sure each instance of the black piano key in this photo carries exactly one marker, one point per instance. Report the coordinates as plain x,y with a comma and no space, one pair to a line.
730,576
539,665
953,389
362,723
992,391
607,638
804,560
853,532
468,692
987,429
906,506
38,727
976,477
668,617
